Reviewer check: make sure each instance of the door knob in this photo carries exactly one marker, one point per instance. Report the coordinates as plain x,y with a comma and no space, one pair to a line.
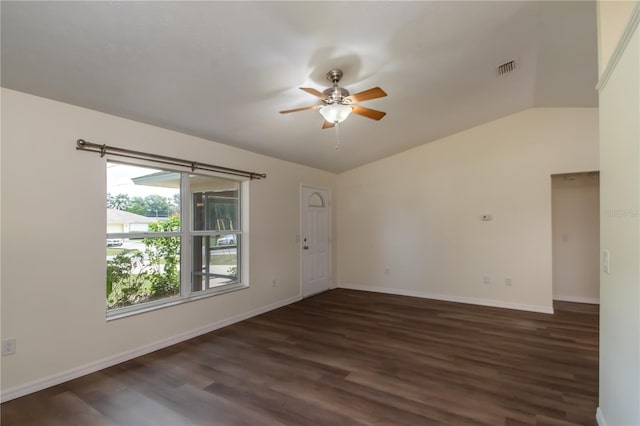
306,247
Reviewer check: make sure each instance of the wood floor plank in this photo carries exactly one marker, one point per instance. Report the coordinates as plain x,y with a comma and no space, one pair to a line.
349,358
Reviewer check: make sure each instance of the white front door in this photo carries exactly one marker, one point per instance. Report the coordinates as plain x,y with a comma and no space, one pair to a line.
316,267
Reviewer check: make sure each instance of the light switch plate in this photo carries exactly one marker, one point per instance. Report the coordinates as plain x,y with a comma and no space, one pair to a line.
8,346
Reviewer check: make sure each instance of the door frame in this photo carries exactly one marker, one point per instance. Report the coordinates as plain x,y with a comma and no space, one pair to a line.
302,205
594,300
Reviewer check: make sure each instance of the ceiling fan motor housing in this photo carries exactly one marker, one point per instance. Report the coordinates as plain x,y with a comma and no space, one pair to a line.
335,95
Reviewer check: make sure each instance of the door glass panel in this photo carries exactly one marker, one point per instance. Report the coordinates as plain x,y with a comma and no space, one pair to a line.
315,200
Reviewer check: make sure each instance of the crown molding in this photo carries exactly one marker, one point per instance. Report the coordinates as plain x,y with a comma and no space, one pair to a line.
621,47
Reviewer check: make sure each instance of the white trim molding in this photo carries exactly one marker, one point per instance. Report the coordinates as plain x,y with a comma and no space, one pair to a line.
577,299
600,417
620,47
450,298
73,373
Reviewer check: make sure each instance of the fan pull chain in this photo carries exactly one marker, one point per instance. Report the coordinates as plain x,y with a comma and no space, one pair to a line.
337,126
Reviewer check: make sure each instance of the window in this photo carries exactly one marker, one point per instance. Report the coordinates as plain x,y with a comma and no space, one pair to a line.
216,232
170,236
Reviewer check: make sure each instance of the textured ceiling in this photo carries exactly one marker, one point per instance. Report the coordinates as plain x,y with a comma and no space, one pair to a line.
223,70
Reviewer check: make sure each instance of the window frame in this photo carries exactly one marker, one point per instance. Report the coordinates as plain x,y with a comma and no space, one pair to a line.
217,234
187,270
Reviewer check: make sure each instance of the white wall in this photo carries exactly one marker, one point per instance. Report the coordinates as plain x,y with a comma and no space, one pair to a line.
410,223
620,233
53,276
575,205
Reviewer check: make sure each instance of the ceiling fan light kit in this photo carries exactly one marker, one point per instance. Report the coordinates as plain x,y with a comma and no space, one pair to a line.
338,104
335,113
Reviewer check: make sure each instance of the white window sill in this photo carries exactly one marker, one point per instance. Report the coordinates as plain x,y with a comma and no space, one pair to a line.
129,311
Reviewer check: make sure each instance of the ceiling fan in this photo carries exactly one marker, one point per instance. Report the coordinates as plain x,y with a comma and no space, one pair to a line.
337,103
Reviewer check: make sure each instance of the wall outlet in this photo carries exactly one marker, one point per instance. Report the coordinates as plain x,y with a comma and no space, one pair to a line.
606,262
273,283
387,271
8,346
486,280
508,282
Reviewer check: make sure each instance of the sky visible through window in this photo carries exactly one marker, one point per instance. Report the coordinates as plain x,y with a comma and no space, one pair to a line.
119,181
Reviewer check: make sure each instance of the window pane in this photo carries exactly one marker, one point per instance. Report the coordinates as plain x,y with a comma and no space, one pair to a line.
141,199
214,264
215,203
142,271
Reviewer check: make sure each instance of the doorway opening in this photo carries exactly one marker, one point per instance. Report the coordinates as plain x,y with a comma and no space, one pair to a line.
575,217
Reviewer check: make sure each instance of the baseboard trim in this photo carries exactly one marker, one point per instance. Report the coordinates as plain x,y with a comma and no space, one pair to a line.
578,299
600,417
92,367
450,298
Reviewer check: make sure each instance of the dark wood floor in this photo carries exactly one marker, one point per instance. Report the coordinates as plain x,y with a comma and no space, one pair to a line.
349,358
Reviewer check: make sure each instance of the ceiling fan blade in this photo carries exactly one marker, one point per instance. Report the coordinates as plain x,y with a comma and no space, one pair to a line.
374,93
299,109
314,92
369,113
328,125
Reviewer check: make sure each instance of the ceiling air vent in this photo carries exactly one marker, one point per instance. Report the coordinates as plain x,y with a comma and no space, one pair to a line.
506,68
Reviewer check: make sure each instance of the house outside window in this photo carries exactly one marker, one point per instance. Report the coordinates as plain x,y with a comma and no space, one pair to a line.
171,237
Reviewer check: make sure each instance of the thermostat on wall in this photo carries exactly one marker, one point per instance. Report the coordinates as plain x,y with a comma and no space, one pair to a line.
486,217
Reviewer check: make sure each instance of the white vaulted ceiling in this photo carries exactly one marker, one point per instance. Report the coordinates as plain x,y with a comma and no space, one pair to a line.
223,70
